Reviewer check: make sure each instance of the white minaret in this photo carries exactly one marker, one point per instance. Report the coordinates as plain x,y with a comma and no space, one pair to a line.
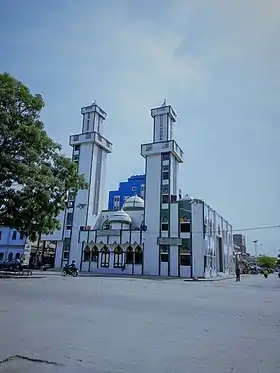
90,149
163,156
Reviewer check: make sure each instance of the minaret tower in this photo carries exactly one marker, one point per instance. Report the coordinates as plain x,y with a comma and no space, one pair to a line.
162,156
90,149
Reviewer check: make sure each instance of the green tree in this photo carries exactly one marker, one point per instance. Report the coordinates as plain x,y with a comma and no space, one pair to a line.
266,261
34,176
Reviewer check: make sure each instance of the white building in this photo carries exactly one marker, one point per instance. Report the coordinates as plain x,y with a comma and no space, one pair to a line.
163,235
12,243
90,149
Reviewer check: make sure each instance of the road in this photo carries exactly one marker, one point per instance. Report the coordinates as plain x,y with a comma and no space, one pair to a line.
137,325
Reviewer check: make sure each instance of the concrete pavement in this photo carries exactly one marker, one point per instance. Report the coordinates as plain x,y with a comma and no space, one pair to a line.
136,325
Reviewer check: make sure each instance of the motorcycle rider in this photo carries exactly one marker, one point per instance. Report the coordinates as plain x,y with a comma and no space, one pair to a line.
72,265
265,273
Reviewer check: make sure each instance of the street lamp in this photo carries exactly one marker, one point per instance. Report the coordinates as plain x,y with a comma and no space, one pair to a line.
255,242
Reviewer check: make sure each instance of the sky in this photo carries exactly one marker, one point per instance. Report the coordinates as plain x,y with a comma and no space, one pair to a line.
216,62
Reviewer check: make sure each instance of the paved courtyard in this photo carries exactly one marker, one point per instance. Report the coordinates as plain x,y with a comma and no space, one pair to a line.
137,325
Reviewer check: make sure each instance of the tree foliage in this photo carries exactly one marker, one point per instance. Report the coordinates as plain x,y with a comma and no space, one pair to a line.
266,261
34,176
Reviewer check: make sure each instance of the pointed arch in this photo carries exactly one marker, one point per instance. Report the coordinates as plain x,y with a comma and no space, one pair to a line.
118,257
87,253
94,254
138,255
129,257
105,257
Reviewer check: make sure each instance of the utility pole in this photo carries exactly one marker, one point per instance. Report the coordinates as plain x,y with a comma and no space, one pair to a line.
255,242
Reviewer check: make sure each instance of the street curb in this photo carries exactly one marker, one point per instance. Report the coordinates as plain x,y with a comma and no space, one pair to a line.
211,279
22,277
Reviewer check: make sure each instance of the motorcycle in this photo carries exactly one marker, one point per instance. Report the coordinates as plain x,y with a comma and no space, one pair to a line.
70,271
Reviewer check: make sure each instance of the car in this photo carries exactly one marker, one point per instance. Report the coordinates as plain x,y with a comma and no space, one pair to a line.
10,265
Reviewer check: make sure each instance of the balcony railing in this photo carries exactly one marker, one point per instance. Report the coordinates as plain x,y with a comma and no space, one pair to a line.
162,147
91,137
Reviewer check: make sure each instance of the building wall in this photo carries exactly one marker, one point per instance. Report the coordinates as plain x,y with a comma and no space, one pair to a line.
113,239
239,240
11,242
152,214
134,185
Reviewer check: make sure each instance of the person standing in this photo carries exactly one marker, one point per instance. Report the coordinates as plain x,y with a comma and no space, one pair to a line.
237,273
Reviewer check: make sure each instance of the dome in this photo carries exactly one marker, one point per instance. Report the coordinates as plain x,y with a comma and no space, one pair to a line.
133,203
120,217
186,198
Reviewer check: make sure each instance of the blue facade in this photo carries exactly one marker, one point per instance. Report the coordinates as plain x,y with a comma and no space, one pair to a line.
134,185
12,243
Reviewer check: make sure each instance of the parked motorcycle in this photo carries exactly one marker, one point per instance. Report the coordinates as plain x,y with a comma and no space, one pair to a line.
70,271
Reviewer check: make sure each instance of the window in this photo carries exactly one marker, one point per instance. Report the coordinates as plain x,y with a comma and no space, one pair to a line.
94,254
185,256
66,248
87,125
173,198
210,227
69,220
138,255
71,196
164,223
105,257
185,260
70,204
87,254
77,147
1,256
17,256
165,157
21,235
118,257
14,236
165,175
142,190
0,235
88,115
165,198
116,198
129,255
164,254
10,256
165,168
75,157
161,128
165,189
185,226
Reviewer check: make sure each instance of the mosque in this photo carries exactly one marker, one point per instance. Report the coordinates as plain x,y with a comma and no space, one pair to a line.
160,235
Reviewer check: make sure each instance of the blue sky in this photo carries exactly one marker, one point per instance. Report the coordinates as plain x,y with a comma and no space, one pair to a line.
217,62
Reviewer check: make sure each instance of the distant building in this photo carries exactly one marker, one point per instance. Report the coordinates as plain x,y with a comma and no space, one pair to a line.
135,185
12,243
240,241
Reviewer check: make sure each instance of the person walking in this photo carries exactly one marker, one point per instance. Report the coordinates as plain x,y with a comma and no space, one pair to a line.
237,273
